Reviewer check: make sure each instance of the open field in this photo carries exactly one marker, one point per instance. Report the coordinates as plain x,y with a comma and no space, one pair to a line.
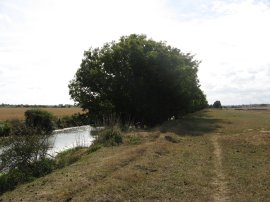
215,155
9,113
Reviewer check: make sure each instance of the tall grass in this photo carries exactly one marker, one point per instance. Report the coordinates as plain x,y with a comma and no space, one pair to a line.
109,136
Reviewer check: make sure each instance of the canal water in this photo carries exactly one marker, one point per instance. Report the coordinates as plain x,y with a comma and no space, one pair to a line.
69,138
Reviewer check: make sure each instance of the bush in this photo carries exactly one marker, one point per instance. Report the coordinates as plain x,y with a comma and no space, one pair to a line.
109,137
66,122
17,176
18,128
39,119
12,178
74,120
21,151
24,153
217,104
5,129
42,167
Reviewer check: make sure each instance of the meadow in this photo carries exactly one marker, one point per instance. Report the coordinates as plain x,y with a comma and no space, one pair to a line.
10,113
212,155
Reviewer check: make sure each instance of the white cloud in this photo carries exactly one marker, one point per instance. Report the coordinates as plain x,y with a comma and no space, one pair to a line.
43,42
235,42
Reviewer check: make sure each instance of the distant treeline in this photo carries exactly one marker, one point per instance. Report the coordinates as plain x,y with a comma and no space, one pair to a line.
38,106
45,119
247,106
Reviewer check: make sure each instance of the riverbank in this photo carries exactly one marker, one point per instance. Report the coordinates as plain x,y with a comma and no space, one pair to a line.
215,155
58,150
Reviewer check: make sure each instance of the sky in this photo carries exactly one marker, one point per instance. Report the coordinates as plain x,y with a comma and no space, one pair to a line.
42,43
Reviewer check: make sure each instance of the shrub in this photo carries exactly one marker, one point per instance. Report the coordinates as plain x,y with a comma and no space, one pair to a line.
109,136
12,178
42,167
217,104
39,119
24,153
21,151
66,121
74,120
15,176
5,129
18,128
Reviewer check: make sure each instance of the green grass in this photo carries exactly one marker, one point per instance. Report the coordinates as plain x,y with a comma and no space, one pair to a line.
176,161
69,157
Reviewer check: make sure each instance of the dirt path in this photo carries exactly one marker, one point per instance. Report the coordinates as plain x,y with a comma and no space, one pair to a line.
219,182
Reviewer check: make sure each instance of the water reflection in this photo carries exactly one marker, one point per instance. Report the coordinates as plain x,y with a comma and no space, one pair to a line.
69,138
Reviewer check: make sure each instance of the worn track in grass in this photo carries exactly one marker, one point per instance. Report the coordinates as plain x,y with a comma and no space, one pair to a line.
221,192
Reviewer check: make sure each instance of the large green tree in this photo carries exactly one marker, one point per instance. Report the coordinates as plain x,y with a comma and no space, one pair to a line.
138,79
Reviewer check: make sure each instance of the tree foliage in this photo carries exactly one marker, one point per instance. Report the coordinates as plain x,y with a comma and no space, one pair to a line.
24,154
5,129
20,151
39,119
139,80
217,104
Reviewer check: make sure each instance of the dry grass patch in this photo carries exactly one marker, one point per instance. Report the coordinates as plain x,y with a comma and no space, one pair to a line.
178,164
247,166
238,122
245,144
10,113
154,169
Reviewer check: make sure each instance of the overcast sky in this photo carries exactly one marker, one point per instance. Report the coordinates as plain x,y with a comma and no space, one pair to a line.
42,43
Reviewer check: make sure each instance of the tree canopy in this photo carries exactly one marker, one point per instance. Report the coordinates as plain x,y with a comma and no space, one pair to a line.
139,80
217,104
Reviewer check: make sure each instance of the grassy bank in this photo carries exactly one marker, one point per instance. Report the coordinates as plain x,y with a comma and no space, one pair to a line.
208,156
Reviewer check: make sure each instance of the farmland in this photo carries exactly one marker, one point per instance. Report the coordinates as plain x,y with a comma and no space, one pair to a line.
212,155
10,113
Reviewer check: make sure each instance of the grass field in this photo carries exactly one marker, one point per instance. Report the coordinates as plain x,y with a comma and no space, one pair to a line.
10,113
215,155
